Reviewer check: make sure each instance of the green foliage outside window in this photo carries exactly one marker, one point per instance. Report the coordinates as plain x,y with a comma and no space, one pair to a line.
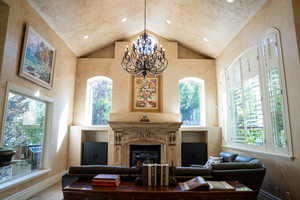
101,94
247,113
276,107
189,91
25,121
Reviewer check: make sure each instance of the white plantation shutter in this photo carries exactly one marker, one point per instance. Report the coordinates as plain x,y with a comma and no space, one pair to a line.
257,116
234,98
246,113
252,99
272,69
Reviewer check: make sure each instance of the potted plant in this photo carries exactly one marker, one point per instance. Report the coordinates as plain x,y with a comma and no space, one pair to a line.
6,156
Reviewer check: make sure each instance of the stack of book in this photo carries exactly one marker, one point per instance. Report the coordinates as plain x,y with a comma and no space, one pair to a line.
156,174
110,180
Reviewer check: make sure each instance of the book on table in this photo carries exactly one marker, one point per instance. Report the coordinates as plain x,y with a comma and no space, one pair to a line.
155,174
199,183
111,180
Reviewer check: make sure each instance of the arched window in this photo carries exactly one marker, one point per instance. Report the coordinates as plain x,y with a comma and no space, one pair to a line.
191,100
99,100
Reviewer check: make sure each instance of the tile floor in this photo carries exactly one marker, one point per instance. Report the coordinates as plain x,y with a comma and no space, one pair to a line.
52,193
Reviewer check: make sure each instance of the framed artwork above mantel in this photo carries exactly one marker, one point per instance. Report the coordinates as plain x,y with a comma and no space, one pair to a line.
146,94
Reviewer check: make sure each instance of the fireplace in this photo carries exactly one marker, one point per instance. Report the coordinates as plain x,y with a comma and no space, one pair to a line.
148,142
144,154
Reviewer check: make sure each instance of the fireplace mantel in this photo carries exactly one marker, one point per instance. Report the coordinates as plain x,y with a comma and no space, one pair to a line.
126,133
157,126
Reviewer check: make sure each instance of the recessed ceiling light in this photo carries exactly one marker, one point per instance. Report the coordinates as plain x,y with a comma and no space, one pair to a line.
85,37
230,1
205,39
168,21
124,19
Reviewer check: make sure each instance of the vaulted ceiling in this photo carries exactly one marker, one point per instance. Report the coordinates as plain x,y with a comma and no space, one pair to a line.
190,21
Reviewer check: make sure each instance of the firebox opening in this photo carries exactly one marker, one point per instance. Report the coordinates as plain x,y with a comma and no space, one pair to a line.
144,154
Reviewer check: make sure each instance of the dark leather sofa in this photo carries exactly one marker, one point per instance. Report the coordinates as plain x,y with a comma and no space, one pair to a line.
247,170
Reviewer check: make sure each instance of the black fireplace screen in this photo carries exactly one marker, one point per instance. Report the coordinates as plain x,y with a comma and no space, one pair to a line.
144,154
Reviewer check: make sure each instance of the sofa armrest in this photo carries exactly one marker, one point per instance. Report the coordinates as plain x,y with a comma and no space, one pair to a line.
192,171
252,178
68,179
236,165
104,169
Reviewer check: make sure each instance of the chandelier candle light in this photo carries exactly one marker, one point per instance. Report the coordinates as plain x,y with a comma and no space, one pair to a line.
144,57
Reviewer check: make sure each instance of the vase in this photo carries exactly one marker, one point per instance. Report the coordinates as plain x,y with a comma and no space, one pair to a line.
6,156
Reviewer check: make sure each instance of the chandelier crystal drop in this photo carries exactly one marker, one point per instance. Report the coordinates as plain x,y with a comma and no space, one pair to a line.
144,57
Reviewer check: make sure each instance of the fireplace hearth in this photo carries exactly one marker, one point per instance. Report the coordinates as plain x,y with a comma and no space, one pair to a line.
144,154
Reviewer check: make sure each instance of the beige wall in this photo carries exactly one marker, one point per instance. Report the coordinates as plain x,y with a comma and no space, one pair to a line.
296,7
122,91
186,53
282,174
64,80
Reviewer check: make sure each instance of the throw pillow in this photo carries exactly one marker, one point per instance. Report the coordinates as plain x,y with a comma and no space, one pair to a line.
213,160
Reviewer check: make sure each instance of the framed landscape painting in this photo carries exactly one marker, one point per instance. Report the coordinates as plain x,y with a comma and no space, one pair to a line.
146,94
38,57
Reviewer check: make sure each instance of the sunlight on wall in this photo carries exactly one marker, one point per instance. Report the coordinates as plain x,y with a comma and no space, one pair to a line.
63,127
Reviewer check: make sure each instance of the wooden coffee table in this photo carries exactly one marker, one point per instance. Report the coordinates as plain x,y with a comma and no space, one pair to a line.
83,190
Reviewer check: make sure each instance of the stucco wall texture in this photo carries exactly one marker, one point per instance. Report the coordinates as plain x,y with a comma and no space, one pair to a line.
63,88
122,82
283,174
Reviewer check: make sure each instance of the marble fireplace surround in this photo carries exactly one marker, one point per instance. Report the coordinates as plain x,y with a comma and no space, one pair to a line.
126,133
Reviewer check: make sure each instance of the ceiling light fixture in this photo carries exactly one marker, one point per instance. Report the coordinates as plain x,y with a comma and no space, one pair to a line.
168,21
144,57
205,39
124,19
85,37
230,1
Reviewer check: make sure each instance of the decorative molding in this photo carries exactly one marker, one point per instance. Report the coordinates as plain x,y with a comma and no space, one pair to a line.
264,195
120,125
36,188
125,134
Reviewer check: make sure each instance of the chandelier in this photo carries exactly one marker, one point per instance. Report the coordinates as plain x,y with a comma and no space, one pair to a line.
144,57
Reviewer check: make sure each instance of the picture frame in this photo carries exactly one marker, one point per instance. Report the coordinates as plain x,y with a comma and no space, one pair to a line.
38,59
146,94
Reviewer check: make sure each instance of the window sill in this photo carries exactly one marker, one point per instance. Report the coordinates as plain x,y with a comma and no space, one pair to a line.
20,180
94,128
196,128
269,154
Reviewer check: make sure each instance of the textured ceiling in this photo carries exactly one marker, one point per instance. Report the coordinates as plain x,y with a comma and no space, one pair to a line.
191,21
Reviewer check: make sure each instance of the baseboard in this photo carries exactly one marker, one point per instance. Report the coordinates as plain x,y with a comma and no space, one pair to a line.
264,195
33,190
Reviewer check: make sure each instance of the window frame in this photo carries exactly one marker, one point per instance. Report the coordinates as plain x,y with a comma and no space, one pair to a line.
88,105
287,126
269,147
202,108
229,130
45,157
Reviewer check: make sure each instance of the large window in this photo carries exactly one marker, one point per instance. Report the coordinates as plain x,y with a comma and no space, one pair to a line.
244,92
24,131
99,100
191,101
257,114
